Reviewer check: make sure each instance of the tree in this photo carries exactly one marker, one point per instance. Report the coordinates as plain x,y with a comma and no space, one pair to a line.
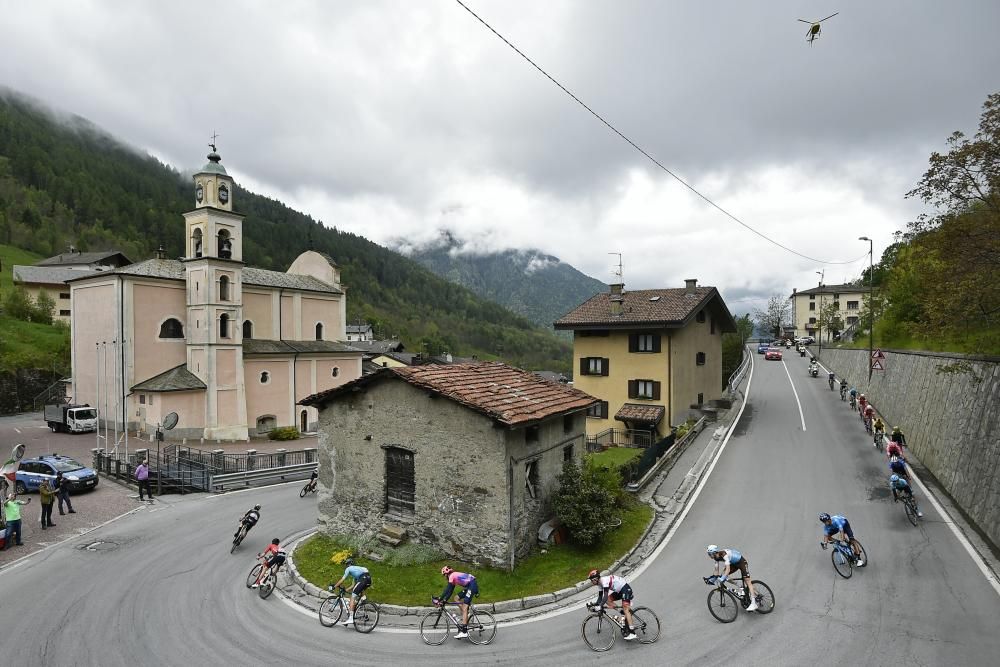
44,308
584,502
772,318
18,304
829,319
733,346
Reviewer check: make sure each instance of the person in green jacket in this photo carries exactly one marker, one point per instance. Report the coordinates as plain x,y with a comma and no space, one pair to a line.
12,512
47,497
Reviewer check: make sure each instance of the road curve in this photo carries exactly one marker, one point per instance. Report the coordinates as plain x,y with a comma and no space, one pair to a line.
163,589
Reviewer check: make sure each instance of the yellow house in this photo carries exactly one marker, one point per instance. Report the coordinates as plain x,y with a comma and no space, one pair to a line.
650,356
807,305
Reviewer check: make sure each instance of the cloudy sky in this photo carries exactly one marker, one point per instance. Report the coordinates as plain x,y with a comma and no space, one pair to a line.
400,118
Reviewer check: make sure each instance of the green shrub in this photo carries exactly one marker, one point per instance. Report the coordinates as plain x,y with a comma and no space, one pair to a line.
587,501
284,433
404,555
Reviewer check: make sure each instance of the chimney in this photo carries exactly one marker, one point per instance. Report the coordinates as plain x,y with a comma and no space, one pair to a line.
689,285
161,252
617,297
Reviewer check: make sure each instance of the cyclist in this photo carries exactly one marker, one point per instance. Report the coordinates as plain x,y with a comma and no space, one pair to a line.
894,450
832,525
862,404
897,436
898,467
899,487
879,427
614,588
843,389
362,580
869,415
312,479
273,556
854,397
732,560
830,376
469,589
250,519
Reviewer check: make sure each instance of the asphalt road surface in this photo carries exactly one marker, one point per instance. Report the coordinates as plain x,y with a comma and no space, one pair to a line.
163,589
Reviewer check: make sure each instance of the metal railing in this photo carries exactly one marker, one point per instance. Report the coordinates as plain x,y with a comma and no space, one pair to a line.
245,478
620,437
737,376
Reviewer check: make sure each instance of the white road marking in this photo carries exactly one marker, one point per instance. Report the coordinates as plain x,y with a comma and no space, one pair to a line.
17,429
797,401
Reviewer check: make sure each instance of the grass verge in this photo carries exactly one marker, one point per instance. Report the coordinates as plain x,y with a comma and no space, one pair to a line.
614,457
560,567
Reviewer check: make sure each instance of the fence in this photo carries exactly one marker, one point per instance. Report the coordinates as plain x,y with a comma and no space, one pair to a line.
620,437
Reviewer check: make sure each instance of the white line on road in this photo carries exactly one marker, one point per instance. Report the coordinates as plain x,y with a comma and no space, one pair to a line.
797,401
17,429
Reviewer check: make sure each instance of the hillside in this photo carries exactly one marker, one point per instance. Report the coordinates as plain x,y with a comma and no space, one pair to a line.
67,181
528,282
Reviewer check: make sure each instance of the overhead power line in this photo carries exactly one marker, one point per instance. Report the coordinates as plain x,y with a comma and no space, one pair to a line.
646,154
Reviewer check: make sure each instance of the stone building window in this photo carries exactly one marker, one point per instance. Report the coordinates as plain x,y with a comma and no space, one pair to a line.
400,482
224,326
247,329
142,399
531,478
699,358
319,331
568,453
64,313
171,328
224,288
196,244
531,434
598,410
568,423
701,316
644,389
595,366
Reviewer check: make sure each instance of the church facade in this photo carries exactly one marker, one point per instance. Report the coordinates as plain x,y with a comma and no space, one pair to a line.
231,349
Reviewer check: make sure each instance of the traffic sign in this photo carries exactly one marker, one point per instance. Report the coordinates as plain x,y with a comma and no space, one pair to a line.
877,365
877,354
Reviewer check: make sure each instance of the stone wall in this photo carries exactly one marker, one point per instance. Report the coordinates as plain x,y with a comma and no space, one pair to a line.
948,406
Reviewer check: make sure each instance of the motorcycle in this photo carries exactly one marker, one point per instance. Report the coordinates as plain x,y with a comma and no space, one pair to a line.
814,370
830,378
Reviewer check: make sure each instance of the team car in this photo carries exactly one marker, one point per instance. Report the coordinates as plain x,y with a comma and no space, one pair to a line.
773,354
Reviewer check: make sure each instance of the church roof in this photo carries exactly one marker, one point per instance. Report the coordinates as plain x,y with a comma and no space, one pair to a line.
49,275
509,395
178,378
261,346
173,269
68,258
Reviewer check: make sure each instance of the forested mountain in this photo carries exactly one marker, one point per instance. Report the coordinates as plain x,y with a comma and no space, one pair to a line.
64,180
528,282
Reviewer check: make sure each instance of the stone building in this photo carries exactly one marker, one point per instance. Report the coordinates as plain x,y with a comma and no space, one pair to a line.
462,457
847,300
51,275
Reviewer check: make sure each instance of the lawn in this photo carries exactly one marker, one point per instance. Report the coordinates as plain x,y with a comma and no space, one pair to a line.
413,585
32,345
614,457
9,256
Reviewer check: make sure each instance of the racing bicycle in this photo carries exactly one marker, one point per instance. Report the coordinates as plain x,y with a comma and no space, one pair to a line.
267,581
844,560
240,536
725,600
879,438
830,378
366,612
438,623
910,507
843,392
311,487
600,628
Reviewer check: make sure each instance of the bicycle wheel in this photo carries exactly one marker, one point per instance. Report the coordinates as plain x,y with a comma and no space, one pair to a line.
267,586
764,597
302,493
330,611
598,632
841,564
236,543
482,627
723,605
864,554
645,625
252,577
435,627
911,511
366,617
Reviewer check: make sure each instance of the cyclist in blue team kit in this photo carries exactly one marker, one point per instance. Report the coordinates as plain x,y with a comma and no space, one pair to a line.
853,393
900,487
362,580
469,589
729,561
832,525
897,466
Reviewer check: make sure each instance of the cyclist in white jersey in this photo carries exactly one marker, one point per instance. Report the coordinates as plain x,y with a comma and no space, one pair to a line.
614,588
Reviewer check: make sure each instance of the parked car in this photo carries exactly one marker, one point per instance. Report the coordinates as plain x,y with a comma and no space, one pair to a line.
805,340
33,472
773,354
762,348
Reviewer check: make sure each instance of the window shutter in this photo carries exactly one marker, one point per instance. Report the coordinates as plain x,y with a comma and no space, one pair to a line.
604,409
605,366
633,388
656,342
633,342
656,391
584,365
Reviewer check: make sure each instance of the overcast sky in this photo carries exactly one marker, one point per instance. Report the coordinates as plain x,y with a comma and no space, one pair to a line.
402,118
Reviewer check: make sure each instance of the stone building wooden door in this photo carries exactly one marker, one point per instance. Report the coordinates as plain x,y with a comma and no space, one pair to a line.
400,482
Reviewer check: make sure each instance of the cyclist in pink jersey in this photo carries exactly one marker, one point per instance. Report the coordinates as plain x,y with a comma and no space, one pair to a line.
469,589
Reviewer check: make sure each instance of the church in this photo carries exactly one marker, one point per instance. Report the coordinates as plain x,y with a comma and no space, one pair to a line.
231,349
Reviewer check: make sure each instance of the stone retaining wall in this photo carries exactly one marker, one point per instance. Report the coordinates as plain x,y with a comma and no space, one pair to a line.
951,420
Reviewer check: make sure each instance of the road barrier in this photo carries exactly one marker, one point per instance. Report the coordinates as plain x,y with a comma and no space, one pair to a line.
246,477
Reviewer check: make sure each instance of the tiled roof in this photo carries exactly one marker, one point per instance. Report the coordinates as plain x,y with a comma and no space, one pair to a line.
667,307
358,328
377,346
49,275
509,395
178,378
369,367
173,269
834,289
82,258
261,346
650,414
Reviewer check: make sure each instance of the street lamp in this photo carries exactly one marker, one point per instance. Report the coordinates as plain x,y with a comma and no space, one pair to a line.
871,295
819,320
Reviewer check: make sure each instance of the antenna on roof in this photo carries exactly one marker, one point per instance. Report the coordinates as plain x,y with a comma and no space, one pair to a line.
309,236
618,270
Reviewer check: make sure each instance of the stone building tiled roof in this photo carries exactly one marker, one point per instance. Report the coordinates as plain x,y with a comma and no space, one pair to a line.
661,307
49,275
173,269
834,289
510,396
178,378
84,258
261,346
650,414
373,347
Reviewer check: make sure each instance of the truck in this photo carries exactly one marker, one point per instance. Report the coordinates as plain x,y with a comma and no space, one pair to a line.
71,418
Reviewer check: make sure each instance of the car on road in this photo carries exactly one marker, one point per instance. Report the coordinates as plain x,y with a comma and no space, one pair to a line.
773,354
32,472
762,348
805,340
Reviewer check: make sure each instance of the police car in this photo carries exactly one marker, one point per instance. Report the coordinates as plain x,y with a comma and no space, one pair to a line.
34,471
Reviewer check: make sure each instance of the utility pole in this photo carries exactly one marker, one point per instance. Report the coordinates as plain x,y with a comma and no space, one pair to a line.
871,304
819,320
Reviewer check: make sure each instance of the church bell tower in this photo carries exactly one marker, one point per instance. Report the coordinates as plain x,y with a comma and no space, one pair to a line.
213,265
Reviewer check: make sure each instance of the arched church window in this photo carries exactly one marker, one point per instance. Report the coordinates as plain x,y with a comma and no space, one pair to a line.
196,242
224,326
319,331
171,328
225,245
247,329
224,288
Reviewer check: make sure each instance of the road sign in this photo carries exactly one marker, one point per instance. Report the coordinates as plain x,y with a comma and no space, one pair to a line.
877,365
877,354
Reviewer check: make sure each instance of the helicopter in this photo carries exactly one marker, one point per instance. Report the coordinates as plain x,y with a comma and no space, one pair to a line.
814,28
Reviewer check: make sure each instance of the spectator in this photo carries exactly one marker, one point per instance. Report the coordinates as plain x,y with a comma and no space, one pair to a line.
12,513
62,493
142,476
47,497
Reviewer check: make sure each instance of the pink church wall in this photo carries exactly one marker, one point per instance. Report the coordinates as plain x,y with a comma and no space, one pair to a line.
271,398
287,317
94,320
316,310
189,406
257,309
151,305
226,410
225,367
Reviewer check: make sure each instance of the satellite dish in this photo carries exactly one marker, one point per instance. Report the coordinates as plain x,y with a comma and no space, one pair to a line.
170,421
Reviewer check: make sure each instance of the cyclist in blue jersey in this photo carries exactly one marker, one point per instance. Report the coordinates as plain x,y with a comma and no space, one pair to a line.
900,487
469,589
729,561
362,580
832,525
897,466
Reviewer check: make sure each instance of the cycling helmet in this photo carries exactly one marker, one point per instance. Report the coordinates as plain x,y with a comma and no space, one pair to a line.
276,541
256,507
862,395
594,574
895,429
712,549
894,479
349,562
446,570
824,517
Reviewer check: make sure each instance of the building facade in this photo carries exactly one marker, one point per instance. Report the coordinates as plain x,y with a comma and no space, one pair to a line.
230,349
52,275
650,356
845,303
462,457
